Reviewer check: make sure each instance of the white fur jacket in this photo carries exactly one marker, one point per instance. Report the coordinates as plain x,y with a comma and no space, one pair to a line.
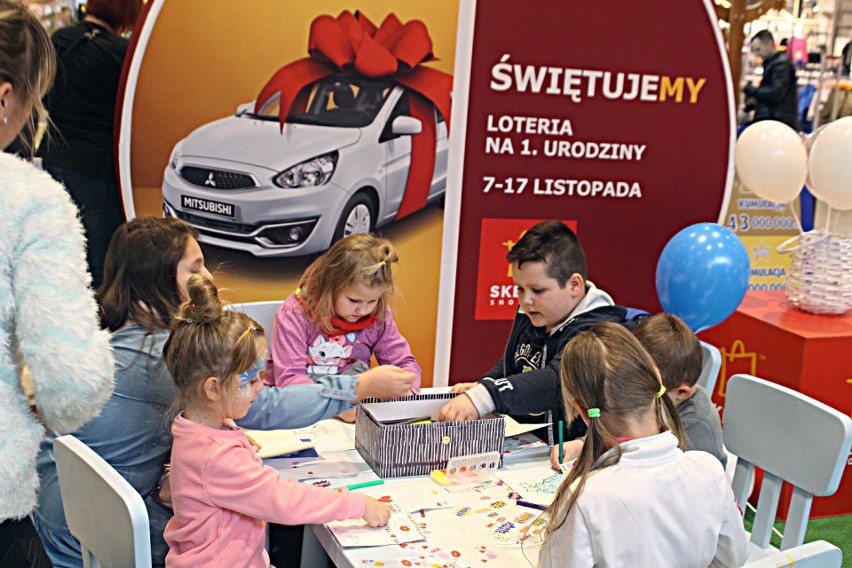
48,320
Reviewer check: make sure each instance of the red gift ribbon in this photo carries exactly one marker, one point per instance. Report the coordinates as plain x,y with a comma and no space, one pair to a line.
353,44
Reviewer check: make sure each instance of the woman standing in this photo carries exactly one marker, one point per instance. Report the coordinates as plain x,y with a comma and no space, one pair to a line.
48,317
82,107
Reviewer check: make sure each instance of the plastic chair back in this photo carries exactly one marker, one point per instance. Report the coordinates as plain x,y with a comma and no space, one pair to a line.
103,510
711,362
261,312
792,438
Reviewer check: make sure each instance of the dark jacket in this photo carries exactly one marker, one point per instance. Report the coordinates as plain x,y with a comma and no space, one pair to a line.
525,381
777,96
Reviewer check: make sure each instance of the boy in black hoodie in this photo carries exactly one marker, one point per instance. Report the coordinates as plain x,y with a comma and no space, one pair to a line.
555,303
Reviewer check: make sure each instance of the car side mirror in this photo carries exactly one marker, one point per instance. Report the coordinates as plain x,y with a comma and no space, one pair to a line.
245,107
405,126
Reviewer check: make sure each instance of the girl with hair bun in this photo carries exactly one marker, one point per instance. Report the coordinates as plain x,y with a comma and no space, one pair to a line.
339,317
220,488
634,497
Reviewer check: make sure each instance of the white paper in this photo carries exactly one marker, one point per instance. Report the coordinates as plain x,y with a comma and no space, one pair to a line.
413,496
277,442
405,409
401,528
536,484
327,436
515,428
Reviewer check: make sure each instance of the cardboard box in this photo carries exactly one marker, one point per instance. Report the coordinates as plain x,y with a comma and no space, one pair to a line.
394,448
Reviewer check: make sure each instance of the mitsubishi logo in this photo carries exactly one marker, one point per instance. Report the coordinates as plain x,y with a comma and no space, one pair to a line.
210,181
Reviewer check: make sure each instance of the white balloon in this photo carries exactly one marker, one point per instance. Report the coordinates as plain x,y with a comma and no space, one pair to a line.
771,161
830,165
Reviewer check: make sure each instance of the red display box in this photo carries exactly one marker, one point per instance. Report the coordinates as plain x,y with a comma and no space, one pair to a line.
812,354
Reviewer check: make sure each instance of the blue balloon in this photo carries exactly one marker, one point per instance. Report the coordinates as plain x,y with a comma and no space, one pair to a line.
703,274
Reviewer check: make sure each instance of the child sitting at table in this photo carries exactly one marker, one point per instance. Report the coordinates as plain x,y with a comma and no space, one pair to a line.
555,303
634,497
677,353
220,489
339,317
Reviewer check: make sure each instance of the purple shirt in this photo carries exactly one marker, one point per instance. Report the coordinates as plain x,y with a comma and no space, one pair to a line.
299,349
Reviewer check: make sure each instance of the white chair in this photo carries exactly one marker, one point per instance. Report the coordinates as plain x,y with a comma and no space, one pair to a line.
792,438
711,362
103,510
261,312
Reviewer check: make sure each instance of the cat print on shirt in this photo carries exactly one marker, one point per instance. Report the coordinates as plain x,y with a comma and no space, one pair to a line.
328,356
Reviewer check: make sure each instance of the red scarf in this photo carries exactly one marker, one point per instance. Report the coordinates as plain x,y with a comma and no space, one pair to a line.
338,326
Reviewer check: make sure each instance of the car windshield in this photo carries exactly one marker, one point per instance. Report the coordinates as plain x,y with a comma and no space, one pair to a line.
349,102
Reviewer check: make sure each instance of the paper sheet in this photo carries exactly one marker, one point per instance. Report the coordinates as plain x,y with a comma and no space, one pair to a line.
515,428
401,528
277,442
536,485
327,436
413,496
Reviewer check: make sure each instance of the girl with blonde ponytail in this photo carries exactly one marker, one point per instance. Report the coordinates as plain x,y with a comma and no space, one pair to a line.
339,317
634,497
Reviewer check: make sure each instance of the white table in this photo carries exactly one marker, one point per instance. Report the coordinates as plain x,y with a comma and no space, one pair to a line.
321,547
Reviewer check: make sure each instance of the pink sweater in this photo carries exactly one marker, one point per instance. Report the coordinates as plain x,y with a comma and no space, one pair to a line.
298,348
222,494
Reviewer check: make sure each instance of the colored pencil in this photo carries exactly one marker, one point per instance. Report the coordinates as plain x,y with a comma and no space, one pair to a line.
365,484
523,503
561,451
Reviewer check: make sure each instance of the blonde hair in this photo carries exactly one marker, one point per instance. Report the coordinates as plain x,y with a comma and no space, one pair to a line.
606,368
27,60
208,341
363,258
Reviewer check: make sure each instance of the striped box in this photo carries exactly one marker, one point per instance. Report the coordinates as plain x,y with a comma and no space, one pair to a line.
395,450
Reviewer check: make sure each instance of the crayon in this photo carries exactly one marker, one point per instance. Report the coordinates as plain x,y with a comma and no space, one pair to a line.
365,484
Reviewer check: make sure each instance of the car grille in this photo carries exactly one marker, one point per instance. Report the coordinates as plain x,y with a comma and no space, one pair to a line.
203,222
216,179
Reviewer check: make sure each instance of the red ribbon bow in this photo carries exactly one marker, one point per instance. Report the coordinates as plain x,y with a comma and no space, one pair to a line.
353,44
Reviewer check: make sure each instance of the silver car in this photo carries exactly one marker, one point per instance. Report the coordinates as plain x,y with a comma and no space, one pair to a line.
336,169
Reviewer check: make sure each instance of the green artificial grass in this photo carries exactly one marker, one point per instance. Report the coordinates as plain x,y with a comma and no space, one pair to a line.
836,530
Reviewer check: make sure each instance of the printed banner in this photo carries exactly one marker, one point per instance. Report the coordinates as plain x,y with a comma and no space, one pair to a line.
496,294
763,226
586,119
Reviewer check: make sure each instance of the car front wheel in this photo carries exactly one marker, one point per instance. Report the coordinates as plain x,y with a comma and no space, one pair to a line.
358,217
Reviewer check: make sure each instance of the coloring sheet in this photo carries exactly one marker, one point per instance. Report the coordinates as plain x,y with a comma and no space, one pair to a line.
536,485
327,436
401,528
413,496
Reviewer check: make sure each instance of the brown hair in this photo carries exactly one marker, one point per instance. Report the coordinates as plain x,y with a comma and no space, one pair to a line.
555,244
363,258
140,273
120,15
606,368
674,348
27,61
208,341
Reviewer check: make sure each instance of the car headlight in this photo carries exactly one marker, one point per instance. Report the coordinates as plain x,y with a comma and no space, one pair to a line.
174,161
310,173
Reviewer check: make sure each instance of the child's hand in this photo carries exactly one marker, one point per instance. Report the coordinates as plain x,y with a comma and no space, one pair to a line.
376,514
348,416
461,387
253,443
459,409
571,451
386,382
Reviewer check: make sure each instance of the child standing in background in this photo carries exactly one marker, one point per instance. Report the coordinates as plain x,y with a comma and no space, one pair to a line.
220,488
634,498
677,353
339,317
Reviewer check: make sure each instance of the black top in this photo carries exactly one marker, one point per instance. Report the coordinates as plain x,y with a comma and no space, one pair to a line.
777,96
82,101
526,379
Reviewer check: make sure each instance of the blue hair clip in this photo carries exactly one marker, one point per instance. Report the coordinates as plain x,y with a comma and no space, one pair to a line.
250,374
